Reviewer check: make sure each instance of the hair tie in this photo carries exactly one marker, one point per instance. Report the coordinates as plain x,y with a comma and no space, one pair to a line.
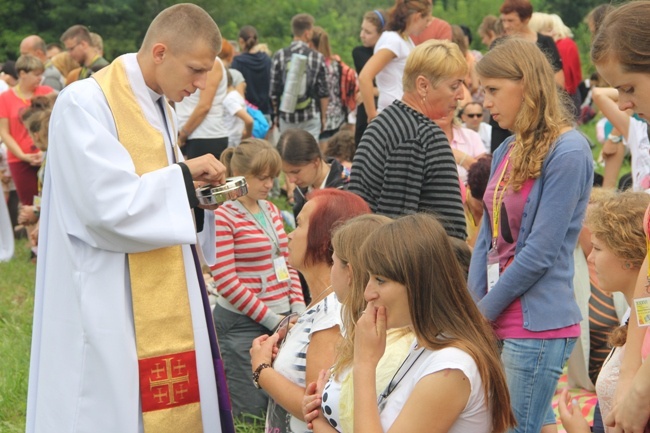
381,18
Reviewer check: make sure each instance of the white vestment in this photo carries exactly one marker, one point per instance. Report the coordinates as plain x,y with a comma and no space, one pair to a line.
96,210
6,232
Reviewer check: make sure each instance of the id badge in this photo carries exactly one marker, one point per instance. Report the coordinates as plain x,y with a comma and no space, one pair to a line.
642,307
492,268
37,202
281,269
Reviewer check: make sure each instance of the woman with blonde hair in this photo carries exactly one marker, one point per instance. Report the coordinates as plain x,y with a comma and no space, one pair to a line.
256,286
621,54
404,164
64,63
522,268
452,379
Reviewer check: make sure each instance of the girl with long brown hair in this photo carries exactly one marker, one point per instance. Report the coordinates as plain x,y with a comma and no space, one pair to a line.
451,380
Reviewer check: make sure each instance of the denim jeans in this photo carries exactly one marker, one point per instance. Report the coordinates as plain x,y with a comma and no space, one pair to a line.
533,368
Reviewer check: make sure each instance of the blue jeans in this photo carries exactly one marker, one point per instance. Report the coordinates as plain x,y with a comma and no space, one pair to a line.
533,368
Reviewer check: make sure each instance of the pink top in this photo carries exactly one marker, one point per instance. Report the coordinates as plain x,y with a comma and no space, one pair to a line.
510,324
11,107
469,142
244,273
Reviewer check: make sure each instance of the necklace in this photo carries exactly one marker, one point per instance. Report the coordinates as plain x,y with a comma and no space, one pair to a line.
20,94
326,291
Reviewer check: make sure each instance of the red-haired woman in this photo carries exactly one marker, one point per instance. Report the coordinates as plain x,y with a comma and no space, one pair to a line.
309,346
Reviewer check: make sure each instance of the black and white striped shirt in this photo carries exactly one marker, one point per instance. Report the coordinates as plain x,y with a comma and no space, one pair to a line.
404,165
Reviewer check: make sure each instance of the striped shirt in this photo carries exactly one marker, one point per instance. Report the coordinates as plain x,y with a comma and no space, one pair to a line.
244,273
291,360
316,81
602,321
404,165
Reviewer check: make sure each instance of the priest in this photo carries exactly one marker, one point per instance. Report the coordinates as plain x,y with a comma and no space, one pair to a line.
123,339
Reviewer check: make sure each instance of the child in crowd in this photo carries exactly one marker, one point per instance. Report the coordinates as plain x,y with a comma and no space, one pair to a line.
236,119
341,147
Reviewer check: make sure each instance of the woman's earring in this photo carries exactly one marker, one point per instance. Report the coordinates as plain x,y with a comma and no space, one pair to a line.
628,265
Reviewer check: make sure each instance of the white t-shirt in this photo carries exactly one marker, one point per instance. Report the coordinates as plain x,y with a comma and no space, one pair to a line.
467,141
389,79
291,361
476,416
639,145
232,104
212,126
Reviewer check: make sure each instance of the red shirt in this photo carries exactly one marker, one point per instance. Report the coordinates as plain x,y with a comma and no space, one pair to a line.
570,64
436,29
11,107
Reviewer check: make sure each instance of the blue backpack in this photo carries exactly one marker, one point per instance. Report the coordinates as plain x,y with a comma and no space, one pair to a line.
260,124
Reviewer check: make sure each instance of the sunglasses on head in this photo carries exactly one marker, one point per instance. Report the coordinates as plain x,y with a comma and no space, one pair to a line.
474,116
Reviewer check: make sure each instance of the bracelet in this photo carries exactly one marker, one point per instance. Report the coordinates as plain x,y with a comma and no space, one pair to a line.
257,372
615,138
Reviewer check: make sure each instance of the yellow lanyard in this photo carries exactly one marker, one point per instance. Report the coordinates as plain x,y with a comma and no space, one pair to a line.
647,285
496,203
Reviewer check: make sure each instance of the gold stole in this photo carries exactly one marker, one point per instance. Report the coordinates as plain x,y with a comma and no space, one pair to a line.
169,386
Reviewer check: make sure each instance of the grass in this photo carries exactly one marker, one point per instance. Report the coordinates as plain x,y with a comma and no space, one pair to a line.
16,307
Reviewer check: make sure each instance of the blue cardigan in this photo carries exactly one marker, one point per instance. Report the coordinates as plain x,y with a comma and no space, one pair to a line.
541,273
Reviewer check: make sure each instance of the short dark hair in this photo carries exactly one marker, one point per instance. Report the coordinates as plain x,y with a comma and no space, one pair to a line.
523,8
298,147
301,23
478,176
77,32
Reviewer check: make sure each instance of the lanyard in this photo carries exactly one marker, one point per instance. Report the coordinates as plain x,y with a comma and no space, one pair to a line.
647,285
274,237
496,203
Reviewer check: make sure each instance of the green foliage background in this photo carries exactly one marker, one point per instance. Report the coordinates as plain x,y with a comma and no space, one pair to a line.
123,23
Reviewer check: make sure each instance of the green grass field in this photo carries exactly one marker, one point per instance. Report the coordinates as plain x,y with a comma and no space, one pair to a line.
16,307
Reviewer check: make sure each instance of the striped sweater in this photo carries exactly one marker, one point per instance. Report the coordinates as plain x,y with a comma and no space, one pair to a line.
404,165
244,273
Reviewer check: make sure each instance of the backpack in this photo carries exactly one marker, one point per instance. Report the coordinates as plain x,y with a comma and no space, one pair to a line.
349,85
295,96
260,124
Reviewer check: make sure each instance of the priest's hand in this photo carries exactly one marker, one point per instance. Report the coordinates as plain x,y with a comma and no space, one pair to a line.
206,168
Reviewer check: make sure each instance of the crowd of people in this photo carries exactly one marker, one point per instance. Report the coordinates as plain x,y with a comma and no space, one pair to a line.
450,248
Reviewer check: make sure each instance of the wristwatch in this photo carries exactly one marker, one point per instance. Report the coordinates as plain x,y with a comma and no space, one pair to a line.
615,138
256,374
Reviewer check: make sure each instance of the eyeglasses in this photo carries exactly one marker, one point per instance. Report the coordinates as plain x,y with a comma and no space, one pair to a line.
474,115
73,47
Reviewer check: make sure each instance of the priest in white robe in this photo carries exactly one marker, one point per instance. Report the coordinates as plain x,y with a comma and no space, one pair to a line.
99,360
